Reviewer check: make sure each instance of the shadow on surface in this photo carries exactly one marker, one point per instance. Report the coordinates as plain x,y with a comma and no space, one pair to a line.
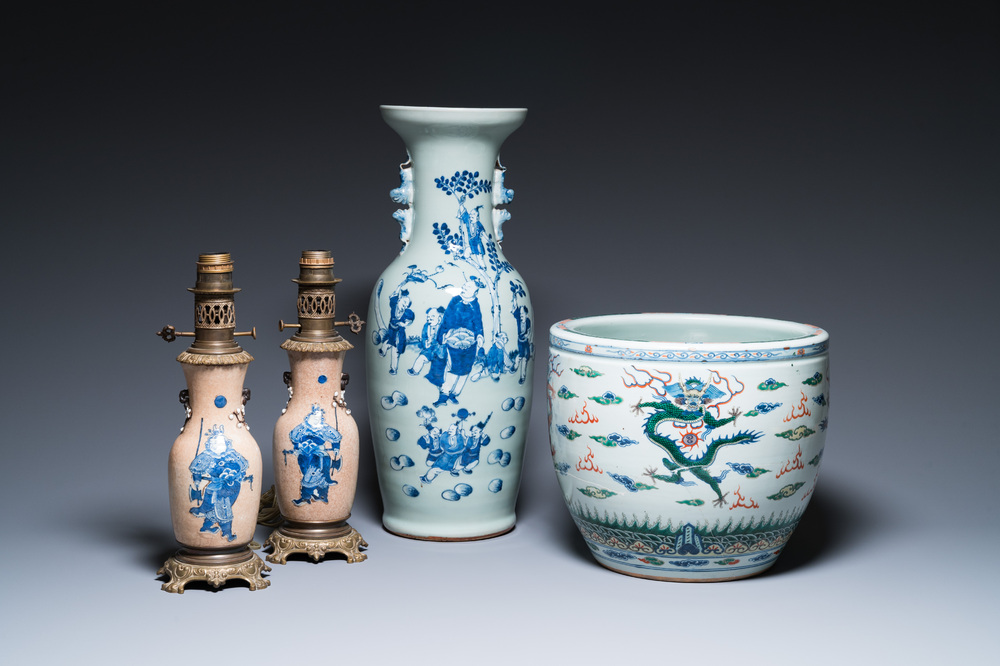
150,543
821,532
833,522
573,541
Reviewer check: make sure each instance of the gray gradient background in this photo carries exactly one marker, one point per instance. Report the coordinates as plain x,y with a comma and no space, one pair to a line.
833,164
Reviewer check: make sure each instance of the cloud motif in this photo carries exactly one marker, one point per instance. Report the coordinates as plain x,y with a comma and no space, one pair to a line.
597,493
410,490
764,408
565,393
747,470
451,495
397,399
820,399
621,440
400,462
463,489
814,380
787,491
625,481
496,485
797,433
586,371
770,384
607,398
391,434
567,433
614,439
507,432
562,467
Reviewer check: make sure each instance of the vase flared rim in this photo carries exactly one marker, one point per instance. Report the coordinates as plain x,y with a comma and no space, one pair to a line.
688,337
452,109
504,120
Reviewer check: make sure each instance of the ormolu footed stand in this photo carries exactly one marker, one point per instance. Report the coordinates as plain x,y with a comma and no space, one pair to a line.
215,467
316,438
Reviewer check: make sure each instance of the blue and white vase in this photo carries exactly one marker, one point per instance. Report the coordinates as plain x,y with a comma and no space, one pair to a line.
449,359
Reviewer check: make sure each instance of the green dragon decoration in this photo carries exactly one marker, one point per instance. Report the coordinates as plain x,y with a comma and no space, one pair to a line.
693,453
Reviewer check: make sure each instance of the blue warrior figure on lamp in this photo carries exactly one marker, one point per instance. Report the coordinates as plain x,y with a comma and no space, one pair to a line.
223,471
317,446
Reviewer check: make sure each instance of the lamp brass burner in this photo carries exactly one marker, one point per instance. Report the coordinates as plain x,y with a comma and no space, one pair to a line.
316,308
214,316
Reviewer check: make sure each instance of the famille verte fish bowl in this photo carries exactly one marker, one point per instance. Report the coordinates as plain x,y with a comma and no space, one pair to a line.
687,446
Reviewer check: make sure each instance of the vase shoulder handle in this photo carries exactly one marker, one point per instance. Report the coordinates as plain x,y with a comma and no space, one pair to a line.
501,196
404,195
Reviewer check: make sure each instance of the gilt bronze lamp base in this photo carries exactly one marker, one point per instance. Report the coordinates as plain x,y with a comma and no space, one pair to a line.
213,567
315,540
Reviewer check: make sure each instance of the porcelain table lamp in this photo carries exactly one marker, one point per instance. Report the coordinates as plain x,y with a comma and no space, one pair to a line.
214,467
316,438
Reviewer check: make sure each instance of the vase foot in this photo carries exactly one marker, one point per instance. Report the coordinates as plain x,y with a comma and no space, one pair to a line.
688,579
213,567
443,538
315,540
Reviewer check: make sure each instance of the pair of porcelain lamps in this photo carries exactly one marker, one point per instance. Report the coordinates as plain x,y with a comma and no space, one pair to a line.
215,466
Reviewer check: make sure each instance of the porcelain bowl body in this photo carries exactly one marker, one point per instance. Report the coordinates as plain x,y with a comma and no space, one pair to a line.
687,446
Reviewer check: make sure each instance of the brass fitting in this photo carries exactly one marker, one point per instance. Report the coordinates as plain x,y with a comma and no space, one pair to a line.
316,307
214,316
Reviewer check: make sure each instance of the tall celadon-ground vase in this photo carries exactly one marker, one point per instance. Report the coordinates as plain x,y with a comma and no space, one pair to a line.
449,358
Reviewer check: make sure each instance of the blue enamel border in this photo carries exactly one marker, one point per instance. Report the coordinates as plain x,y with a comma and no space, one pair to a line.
610,351
594,348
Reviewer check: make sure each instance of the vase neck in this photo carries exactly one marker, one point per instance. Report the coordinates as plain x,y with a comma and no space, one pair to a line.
451,183
316,376
215,387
